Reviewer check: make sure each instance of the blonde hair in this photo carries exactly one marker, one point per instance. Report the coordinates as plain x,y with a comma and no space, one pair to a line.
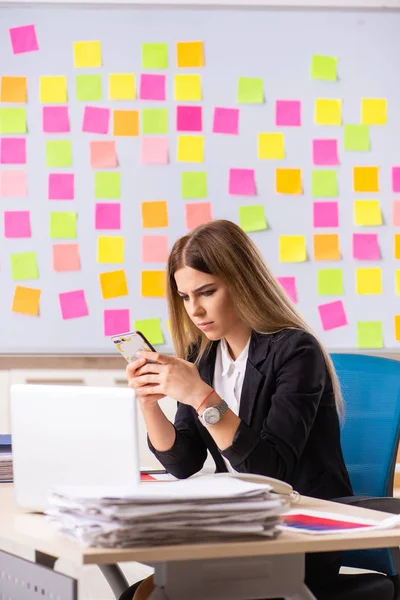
223,249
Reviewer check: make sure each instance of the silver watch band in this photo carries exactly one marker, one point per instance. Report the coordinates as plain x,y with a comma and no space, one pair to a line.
213,414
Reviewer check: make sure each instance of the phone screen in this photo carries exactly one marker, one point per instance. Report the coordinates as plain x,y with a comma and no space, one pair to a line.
130,343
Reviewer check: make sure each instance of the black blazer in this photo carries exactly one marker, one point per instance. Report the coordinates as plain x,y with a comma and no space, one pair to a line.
289,424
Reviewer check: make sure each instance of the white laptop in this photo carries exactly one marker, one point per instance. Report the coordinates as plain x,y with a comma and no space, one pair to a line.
71,435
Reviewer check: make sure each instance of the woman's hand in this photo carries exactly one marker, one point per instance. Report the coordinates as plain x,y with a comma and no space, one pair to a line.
147,400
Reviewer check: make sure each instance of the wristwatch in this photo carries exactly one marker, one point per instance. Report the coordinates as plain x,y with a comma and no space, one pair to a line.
213,414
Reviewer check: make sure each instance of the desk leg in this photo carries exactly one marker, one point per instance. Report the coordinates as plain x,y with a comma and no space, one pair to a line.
116,579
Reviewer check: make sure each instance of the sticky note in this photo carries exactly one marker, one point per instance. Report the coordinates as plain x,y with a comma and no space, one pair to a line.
326,214
103,155
63,225
12,120
107,215
396,243
87,54
369,281
66,257
151,329
242,182
367,212
292,248
89,88
356,138
154,121
13,89
396,213
187,87
13,184
58,153
121,86
23,39
110,249
116,321
155,248
55,119
365,246
250,90
107,185
365,179
197,213
324,183
330,282
153,284
113,284
288,181
61,186
324,67
194,184
152,87
226,120
154,214
289,285
373,111
326,246
53,89
270,146
332,315
12,151
288,113
96,119
17,224
24,266
325,152
26,301
328,111
252,218
397,281
154,56
369,334
154,151
190,148
397,328
189,118
73,304
395,179
126,123
190,54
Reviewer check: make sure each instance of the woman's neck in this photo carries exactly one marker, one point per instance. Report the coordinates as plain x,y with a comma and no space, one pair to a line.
237,340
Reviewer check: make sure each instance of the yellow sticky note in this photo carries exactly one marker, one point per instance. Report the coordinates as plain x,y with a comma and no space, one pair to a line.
271,146
110,249
113,284
154,214
328,111
187,87
292,248
153,284
26,301
53,89
13,89
397,327
365,179
367,212
369,281
87,54
190,148
288,181
121,86
190,54
373,111
396,244
397,281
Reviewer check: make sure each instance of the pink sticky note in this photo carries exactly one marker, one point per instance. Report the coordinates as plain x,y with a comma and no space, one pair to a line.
23,39
66,257
96,120
365,246
17,224
103,155
152,87
108,215
197,214
155,248
325,152
396,179
288,113
242,182
13,151
55,119
61,186
289,285
154,151
116,321
73,304
189,118
326,214
226,120
396,213
13,184
332,315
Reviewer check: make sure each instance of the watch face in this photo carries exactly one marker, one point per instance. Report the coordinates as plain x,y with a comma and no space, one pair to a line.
212,415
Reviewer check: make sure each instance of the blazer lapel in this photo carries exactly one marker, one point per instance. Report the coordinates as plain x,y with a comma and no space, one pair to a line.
253,379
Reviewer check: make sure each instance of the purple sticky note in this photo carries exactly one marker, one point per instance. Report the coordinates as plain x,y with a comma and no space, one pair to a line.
365,246
73,304
325,152
152,87
23,39
55,119
61,186
288,113
13,151
17,224
326,214
332,315
154,151
13,184
155,248
108,215
116,321
96,120
289,285
396,179
226,120
189,118
242,182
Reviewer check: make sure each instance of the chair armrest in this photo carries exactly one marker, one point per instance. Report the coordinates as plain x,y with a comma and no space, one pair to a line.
386,504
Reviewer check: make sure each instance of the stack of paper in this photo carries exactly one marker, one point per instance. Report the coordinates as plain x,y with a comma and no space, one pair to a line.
202,509
6,470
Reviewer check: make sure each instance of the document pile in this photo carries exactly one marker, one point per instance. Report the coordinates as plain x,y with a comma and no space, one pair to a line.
201,509
6,469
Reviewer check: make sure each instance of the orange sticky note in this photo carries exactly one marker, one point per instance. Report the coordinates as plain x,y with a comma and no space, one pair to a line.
288,181
113,284
153,284
397,245
126,123
154,214
365,179
190,54
13,89
326,246
397,327
26,301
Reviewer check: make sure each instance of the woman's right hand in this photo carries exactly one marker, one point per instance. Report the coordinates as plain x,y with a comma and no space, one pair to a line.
133,377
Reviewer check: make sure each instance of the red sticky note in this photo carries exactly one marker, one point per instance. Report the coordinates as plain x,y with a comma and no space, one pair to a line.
13,151
23,39
154,151
55,119
189,118
152,87
289,285
332,315
17,224
61,186
325,152
96,120
365,246
66,257
197,213
13,184
288,113
108,215
396,213
116,321
155,248
73,304
326,214
103,155
396,179
226,120
242,182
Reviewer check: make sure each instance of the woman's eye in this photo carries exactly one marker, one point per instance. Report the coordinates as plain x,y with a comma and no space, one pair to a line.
208,293
185,298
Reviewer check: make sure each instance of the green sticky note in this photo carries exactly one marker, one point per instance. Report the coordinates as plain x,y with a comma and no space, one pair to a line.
63,225
369,334
330,282
356,137
324,183
107,185
151,329
194,184
88,88
250,90
24,266
324,67
154,120
252,218
58,153
154,56
12,120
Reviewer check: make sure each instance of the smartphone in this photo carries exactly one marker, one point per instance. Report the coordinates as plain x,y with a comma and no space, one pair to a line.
130,343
